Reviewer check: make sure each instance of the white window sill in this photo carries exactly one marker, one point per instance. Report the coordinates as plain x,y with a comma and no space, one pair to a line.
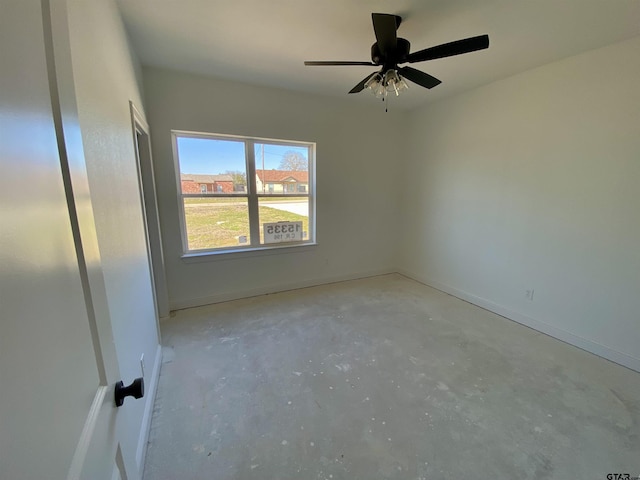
214,256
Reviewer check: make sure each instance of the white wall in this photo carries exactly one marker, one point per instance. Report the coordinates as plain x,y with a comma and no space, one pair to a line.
356,172
105,80
532,183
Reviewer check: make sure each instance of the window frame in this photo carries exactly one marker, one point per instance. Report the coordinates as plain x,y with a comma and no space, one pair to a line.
251,194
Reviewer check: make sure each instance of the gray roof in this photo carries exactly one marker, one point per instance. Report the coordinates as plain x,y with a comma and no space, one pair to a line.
205,178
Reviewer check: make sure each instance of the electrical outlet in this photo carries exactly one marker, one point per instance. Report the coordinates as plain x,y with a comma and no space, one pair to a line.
142,364
528,294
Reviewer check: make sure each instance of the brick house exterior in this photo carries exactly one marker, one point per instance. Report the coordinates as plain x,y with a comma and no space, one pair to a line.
193,183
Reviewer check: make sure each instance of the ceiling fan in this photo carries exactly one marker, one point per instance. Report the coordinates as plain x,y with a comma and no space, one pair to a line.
389,51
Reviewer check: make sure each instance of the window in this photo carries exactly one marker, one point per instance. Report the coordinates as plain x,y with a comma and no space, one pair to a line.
261,194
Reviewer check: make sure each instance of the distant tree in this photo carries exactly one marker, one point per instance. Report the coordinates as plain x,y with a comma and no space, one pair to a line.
294,161
239,180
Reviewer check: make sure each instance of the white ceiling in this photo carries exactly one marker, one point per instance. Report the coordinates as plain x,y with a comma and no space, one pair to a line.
264,42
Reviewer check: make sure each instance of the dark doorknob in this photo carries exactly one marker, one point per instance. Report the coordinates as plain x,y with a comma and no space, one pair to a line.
135,390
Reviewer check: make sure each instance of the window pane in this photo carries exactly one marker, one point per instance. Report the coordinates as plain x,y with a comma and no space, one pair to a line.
282,169
211,166
216,222
284,209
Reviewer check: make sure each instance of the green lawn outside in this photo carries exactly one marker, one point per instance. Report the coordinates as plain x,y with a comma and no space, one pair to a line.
217,225
196,200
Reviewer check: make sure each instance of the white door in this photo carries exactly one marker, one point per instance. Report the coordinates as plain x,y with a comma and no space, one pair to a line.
58,364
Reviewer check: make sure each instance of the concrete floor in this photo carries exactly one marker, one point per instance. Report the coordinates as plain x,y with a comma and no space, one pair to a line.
383,378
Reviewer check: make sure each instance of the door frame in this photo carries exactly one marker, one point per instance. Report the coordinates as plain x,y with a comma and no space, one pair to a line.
151,220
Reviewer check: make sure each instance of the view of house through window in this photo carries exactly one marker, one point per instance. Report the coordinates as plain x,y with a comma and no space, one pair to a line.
243,193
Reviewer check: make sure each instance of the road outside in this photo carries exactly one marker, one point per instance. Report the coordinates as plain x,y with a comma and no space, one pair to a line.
299,208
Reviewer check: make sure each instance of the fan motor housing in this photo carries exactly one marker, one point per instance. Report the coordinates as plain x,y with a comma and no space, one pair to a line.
398,56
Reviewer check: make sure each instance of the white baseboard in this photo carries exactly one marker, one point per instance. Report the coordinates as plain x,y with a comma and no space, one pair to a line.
590,346
274,288
150,393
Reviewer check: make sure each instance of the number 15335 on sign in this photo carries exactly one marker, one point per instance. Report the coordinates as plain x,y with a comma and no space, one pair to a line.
282,232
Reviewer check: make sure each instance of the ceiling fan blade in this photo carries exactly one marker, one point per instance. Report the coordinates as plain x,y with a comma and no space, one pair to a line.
385,26
449,49
421,78
360,86
337,63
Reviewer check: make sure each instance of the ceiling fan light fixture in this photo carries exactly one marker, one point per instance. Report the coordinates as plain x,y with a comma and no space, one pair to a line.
391,81
373,82
379,91
402,85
